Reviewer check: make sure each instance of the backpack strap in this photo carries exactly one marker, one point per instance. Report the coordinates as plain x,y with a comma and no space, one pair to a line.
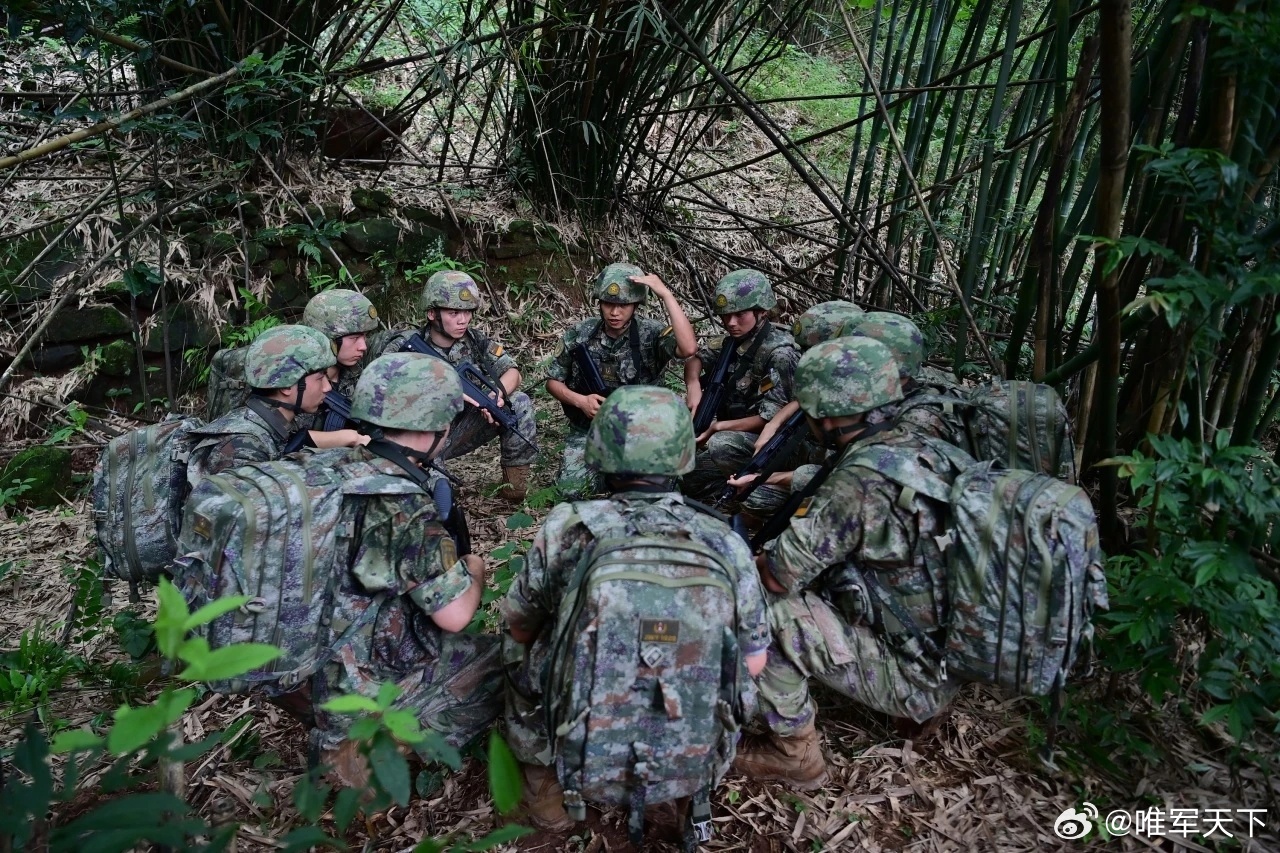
900,614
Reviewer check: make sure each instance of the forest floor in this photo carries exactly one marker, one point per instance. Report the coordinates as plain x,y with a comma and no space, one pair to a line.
978,785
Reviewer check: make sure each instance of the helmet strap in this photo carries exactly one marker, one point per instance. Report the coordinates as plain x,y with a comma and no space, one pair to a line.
295,407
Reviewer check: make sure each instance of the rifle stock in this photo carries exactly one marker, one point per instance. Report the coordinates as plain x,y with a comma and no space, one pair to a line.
713,393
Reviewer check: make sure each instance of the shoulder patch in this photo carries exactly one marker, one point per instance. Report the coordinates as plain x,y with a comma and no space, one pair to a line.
769,381
496,349
448,552
803,509
668,330
560,348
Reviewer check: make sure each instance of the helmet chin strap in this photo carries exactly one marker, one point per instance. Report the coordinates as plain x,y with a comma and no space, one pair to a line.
296,405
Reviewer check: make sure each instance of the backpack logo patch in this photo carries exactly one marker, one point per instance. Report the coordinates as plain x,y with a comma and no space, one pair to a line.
659,631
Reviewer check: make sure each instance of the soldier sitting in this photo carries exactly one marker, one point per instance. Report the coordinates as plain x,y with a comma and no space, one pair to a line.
346,318
828,622
406,591
286,369
625,350
640,440
761,362
450,300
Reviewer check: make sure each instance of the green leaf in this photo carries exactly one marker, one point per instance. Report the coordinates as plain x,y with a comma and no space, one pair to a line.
403,726
345,806
505,782
520,520
390,769
75,740
387,694
429,845
230,661
171,617
135,727
309,798
501,835
307,837
213,610
351,703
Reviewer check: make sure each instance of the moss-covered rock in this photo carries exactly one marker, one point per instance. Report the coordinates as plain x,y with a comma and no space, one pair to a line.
187,328
118,358
421,242
49,471
255,252
374,201
86,324
277,267
287,292
372,235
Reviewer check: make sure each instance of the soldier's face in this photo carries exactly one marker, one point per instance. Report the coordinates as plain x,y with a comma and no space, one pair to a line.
739,323
317,386
452,322
616,317
351,348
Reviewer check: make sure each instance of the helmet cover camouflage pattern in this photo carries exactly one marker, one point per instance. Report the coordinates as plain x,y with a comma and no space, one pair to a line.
282,355
825,321
337,313
899,334
641,429
408,390
614,285
744,289
847,376
451,289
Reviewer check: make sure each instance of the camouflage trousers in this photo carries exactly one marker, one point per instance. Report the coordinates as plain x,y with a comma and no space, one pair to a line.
725,454
576,481
811,639
470,430
457,695
523,714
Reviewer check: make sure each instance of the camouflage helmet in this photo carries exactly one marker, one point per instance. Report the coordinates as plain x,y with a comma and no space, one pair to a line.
337,313
407,390
899,334
847,376
744,289
614,285
451,289
641,429
282,355
824,322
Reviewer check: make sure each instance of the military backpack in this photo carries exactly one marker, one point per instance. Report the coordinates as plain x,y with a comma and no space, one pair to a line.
1014,424
227,387
139,485
1020,562
643,677
280,532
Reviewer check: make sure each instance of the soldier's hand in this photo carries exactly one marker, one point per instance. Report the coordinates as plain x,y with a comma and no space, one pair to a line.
475,567
741,483
590,404
711,430
348,438
651,281
691,399
770,429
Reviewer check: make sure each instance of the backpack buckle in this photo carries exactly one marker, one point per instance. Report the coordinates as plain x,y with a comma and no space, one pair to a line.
254,606
945,541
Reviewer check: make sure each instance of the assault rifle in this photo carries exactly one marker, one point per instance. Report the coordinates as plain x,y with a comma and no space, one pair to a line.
475,385
590,380
337,415
768,459
713,394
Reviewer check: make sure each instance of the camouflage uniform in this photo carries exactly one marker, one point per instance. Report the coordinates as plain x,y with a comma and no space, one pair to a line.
470,430
830,625
562,542
337,313
255,432
763,388
345,385
617,364
404,569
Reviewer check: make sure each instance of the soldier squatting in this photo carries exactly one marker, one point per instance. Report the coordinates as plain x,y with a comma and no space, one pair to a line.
842,583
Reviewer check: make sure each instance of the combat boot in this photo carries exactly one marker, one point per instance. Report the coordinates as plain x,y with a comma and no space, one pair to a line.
796,760
544,799
515,483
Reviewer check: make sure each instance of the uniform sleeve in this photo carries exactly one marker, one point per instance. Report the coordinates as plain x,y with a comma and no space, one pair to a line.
402,552
664,346
709,351
778,383
827,527
753,619
531,599
562,362
232,451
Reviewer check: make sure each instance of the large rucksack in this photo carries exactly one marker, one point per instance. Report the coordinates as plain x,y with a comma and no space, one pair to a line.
139,485
1020,563
1014,424
280,532
643,677
227,389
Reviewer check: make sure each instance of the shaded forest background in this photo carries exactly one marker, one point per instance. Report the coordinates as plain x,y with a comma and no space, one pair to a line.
1084,194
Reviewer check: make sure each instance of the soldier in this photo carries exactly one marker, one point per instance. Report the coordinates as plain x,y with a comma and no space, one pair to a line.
823,322
450,300
286,368
856,542
927,407
406,586
640,440
758,384
626,350
346,318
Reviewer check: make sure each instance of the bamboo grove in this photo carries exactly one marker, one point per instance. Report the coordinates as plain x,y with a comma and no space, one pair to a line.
1076,192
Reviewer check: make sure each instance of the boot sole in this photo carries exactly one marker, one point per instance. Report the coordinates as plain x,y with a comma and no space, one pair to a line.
812,784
